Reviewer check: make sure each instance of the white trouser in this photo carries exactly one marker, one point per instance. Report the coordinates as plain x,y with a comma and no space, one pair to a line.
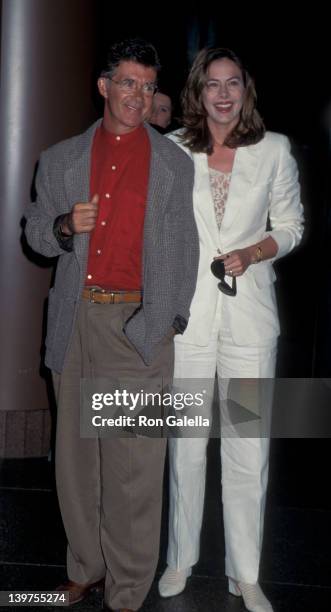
244,460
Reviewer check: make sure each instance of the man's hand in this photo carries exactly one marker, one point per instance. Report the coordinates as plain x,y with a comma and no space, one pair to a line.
82,218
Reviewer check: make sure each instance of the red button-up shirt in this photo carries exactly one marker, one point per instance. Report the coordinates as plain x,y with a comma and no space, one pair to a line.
119,175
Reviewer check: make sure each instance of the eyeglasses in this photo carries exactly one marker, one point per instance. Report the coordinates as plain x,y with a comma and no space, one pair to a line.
131,85
217,268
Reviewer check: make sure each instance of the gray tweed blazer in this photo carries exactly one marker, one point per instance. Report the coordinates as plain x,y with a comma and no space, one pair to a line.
170,247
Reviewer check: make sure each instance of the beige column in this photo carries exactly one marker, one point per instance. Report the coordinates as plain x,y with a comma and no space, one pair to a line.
47,62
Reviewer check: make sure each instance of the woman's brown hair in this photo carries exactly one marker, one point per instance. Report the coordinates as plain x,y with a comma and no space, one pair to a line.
196,135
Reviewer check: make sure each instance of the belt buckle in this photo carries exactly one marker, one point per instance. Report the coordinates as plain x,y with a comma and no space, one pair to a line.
92,290
112,297
95,290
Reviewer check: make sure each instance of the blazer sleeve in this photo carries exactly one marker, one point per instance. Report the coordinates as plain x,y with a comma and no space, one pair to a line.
285,209
42,214
190,261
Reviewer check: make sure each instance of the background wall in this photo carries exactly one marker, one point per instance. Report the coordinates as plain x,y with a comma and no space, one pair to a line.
47,55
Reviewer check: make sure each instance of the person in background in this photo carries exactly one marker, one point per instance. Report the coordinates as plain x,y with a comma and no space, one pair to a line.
115,205
248,211
161,115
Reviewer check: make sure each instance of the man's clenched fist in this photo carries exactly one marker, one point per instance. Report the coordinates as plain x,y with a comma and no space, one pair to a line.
82,218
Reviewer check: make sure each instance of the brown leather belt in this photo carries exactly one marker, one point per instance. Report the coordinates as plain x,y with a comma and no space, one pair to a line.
105,296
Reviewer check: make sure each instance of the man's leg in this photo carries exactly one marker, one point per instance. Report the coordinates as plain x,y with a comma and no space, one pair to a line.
131,468
78,468
132,477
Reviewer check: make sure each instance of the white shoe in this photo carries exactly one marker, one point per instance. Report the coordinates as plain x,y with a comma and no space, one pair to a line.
254,599
173,581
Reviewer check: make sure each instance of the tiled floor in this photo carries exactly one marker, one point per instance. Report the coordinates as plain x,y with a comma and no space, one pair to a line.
296,562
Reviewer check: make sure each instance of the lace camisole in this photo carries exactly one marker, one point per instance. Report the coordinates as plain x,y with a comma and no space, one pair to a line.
219,184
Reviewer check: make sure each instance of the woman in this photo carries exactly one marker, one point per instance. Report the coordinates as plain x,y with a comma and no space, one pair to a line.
245,182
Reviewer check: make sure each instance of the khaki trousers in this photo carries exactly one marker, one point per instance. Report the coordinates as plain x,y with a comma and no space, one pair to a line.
109,490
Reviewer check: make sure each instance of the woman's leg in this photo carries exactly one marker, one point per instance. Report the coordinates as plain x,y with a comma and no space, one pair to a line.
187,458
244,450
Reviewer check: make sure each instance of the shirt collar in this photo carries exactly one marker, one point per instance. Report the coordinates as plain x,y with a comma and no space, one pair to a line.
108,138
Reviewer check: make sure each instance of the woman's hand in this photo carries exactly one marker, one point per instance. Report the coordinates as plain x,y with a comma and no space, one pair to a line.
236,262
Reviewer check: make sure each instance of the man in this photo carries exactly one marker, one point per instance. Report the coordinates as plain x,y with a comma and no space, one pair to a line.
115,205
161,111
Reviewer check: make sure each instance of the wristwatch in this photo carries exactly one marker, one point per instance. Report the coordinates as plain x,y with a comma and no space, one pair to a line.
65,241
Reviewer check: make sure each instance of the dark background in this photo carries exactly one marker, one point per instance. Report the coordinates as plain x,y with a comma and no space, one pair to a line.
287,56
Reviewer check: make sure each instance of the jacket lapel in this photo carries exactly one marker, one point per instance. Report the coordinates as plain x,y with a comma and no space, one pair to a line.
161,179
242,179
77,182
202,198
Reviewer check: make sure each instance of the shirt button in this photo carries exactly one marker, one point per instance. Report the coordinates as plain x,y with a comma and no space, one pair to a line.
103,223
99,251
113,167
107,195
118,138
89,276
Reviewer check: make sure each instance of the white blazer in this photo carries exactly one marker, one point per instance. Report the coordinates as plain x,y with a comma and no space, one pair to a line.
264,185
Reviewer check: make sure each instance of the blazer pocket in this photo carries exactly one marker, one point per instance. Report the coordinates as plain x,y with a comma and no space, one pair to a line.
262,275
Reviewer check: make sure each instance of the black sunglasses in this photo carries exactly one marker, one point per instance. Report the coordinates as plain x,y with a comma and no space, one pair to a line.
217,268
